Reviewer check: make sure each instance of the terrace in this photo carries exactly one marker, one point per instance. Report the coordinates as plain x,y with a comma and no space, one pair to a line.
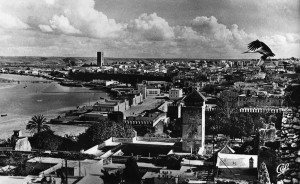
145,150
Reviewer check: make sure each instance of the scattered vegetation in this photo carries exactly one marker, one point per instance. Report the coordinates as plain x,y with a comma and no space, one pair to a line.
103,130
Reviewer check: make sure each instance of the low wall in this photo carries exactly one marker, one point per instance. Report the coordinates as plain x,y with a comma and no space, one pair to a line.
158,139
123,159
121,140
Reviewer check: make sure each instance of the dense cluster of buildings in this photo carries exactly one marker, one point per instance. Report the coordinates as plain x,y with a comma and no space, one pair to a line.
188,98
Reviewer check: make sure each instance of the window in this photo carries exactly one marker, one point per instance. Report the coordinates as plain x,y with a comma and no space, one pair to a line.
153,92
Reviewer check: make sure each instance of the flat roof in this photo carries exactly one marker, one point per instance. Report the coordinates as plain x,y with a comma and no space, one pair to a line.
90,179
140,164
105,104
50,160
145,149
97,113
154,143
15,179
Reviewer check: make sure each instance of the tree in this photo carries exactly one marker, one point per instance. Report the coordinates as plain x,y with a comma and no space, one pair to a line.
227,113
209,89
292,96
111,178
227,104
229,120
70,61
19,161
297,69
171,161
244,125
131,172
174,128
103,130
46,140
37,124
68,144
201,77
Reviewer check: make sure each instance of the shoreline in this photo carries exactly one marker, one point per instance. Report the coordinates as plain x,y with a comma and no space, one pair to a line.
59,129
18,121
41,77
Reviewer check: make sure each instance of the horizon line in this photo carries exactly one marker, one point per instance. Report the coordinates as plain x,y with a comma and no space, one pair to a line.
148,57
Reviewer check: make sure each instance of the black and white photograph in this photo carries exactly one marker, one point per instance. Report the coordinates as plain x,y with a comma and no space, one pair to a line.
150,91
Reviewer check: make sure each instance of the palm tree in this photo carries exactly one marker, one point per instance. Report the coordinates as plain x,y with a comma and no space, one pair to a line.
37,124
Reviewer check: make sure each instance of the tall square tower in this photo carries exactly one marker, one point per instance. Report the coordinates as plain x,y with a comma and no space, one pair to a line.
193,122
100,59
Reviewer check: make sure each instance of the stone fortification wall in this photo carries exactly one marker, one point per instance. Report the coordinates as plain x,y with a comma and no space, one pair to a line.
289,169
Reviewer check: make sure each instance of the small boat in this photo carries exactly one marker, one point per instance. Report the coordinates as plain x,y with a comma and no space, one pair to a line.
2,115
25,86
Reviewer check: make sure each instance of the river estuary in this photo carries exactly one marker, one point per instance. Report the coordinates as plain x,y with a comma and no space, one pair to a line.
21,100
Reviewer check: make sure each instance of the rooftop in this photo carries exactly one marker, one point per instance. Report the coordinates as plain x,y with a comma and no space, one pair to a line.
238,174
236,160
90,179
145,149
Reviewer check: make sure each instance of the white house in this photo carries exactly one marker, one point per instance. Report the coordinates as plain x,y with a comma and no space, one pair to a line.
175,93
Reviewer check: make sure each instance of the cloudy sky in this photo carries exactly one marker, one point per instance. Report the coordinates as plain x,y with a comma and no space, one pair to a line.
148,28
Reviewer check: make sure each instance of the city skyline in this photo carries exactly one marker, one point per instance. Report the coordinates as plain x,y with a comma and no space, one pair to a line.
148,29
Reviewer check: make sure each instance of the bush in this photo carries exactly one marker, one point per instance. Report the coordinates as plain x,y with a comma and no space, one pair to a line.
102,131
46,140
69,155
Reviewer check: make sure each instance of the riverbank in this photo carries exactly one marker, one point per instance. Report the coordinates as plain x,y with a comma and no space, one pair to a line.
18,122
21,101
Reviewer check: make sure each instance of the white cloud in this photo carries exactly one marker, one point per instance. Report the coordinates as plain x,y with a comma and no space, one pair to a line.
186,33
8,21
45,28
151,27
293,38
210,27
285,45
64,17
275,40
89,21
62,23
84,29
50,2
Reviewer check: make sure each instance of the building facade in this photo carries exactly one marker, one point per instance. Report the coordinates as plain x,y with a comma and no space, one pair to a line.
111,105
152,91
175,93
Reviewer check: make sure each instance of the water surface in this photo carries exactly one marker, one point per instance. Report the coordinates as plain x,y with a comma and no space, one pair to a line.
21,100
